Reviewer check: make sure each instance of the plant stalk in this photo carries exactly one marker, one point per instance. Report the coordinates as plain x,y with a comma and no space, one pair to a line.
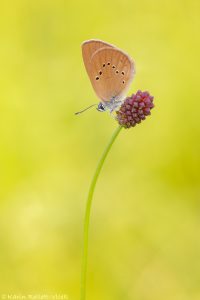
87,213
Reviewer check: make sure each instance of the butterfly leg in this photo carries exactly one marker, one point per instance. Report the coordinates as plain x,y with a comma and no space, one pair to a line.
115,105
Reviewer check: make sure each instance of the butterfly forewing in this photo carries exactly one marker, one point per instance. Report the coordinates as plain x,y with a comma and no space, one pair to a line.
110,70
88,49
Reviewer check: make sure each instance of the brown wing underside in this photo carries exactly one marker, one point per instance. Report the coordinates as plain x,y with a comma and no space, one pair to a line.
88,49
110,70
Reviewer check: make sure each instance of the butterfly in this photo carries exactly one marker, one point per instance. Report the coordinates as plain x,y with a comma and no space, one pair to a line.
110,71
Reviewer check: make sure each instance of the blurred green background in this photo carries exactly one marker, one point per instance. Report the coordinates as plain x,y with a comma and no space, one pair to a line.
145,224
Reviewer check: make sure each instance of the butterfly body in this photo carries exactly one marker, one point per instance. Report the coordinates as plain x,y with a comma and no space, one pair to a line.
110,70
111,105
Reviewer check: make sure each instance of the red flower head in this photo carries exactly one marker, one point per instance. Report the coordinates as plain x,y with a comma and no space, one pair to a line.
135,109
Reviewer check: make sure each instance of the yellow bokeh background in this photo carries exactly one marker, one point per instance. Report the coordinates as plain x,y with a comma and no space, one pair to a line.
145,223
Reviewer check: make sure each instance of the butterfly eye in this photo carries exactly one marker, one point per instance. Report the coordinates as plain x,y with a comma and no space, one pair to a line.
122,72
108,63
117,71
104,65
113,67
97,78
100,72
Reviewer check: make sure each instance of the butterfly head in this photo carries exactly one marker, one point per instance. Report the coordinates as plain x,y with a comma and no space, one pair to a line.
101,107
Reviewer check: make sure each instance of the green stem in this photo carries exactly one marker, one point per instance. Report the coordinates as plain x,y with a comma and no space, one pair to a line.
87,212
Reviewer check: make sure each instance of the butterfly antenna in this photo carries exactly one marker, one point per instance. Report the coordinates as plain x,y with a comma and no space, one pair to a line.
79,112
